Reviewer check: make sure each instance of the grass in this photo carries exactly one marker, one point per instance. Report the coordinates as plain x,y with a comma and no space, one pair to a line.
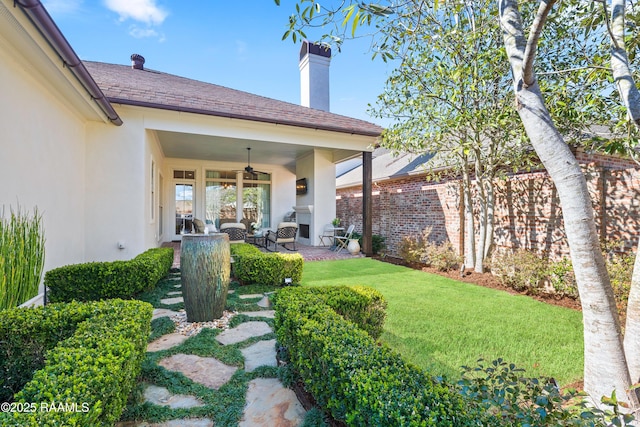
442,324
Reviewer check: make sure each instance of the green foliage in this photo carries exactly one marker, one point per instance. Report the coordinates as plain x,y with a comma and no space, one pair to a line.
377,242
354,378
100,280
95,367
521,270
561,276
420,250
251,266
21,257
499,394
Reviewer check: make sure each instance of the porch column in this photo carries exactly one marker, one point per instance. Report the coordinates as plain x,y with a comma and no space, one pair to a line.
239,201
367,209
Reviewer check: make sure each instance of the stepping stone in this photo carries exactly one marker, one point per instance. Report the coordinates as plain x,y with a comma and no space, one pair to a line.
231,291
174,293
173,300
262,353
207,371
163,397
177,286
247,296
270,404
167,341
162,312
242,332
264,302
270,314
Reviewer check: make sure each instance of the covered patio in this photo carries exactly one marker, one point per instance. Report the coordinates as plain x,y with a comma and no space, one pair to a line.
309,253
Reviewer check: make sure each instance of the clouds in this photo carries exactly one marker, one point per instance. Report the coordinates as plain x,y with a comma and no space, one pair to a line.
142,11
62,7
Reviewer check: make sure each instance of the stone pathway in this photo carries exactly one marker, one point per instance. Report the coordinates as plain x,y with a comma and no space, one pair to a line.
267,404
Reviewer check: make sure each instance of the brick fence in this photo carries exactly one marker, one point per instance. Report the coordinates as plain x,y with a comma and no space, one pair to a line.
527,215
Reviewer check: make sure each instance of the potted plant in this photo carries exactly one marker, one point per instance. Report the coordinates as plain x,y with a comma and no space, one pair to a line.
336,222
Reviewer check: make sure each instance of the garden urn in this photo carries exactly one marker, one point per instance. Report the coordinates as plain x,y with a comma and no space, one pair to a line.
205,268
353,247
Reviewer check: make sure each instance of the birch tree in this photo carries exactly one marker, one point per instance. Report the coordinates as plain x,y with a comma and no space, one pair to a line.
606,366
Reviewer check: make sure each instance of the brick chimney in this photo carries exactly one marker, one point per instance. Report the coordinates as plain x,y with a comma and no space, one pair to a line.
137,62
314,75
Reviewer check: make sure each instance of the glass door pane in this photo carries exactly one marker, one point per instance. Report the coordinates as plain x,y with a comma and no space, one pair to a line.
220,203
184,208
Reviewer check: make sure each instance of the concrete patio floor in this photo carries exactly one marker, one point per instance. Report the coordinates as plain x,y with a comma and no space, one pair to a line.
309,253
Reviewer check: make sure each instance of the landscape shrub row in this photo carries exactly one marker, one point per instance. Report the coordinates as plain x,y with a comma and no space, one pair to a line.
251,266
95,281
94,353
419,249
527,271
354,378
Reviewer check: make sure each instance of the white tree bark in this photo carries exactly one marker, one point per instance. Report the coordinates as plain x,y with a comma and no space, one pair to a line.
605,363
469,227
631,99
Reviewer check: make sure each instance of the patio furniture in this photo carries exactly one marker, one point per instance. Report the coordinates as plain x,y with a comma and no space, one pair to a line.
286,233
198,225
236,230
343,241
329,233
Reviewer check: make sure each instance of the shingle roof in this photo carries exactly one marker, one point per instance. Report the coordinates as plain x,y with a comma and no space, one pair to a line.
124,85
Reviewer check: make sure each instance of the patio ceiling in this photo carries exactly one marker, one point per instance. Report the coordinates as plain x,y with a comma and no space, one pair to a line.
224,149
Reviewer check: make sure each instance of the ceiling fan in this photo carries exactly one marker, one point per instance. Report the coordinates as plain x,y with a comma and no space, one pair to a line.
248,168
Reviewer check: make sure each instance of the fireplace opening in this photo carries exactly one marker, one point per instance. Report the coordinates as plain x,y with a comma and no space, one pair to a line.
304,230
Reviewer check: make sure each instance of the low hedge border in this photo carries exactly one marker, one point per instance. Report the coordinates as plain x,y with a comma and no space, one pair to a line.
95,281
87,377
251,266
357,380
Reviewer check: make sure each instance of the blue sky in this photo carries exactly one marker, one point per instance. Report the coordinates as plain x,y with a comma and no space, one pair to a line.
237,44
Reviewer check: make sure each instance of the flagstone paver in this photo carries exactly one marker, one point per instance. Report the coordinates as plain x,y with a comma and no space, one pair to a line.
264,302
262,353
243,332
163,397
270,404
248,296
207,371
174,293
167,341
269,314
173,300
162,312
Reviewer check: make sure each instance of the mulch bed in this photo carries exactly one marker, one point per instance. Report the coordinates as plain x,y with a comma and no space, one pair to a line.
487,280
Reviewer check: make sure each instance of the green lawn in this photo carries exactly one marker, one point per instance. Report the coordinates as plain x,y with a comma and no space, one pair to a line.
441,324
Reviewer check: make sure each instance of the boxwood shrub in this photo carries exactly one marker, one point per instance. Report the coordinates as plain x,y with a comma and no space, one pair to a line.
356,379
94,281
89,372
251,266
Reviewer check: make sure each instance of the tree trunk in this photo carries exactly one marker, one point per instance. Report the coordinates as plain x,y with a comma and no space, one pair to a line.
482,220
490,194
205,266
605,367
469,237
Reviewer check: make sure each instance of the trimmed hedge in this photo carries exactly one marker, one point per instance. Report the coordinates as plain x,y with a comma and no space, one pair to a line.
356,379
95,281
87,376
251,266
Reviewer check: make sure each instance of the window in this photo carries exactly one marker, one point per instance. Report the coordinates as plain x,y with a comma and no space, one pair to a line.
221,196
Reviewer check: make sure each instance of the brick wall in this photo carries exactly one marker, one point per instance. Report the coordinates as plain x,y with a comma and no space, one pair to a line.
527,215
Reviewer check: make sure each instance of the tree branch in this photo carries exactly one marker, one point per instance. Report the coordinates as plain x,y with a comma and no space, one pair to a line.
530,52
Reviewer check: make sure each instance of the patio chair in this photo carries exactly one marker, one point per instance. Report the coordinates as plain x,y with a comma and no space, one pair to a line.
236,230
286,233
328,233
343,241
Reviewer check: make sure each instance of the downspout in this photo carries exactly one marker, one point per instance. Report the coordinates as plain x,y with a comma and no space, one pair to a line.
36,12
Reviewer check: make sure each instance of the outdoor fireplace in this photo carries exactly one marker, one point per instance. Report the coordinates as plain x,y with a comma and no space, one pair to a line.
304,218
303,230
